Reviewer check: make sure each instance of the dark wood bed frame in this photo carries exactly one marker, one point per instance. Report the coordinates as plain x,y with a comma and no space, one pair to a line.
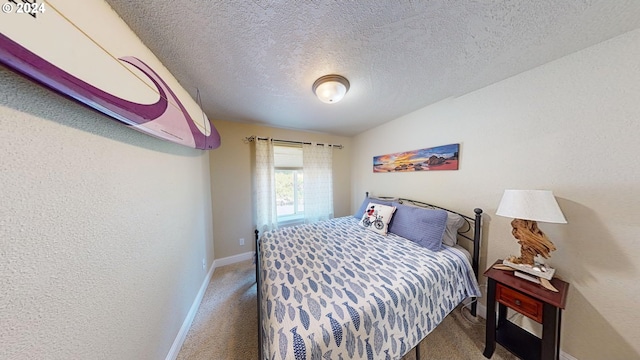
463,233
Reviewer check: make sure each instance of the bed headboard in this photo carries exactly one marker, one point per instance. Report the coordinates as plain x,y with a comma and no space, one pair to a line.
473,224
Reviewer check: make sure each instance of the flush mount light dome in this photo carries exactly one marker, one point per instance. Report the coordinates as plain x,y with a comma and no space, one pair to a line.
331,88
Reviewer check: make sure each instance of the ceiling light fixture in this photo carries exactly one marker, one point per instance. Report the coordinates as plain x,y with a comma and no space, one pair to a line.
331,88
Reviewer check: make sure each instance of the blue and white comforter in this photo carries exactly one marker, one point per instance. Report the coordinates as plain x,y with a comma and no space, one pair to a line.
335,290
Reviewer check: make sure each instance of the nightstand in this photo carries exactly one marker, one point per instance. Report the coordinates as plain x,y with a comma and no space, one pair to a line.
531,300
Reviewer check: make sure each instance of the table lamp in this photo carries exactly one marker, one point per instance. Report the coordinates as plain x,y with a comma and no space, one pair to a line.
527,207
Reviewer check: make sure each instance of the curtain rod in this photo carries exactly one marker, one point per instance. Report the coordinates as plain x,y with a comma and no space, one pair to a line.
254,138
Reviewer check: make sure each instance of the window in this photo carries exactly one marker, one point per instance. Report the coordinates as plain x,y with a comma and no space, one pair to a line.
289,183
289,192
301,197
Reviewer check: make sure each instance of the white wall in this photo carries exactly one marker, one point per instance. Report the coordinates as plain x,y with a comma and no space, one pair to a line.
571,126
102,231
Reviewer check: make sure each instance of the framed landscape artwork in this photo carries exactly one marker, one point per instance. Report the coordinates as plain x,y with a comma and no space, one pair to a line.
436,158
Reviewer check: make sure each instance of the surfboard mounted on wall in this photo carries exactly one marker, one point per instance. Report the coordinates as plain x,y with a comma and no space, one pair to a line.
85,51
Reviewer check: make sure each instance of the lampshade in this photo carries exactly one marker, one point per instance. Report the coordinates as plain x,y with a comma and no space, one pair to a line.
331,88
536,205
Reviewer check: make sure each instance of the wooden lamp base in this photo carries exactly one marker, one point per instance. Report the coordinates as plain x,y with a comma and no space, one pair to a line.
532,242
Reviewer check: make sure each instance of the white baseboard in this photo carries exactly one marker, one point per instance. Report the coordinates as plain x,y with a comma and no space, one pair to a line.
482,312
233,259
565,356
186,324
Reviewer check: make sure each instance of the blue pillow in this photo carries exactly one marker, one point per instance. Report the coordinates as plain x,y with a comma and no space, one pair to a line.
367,200
422,226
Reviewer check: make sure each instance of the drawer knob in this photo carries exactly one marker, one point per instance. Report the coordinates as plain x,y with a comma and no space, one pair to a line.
518,302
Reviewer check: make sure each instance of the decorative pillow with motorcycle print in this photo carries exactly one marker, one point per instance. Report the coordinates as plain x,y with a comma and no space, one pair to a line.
376,217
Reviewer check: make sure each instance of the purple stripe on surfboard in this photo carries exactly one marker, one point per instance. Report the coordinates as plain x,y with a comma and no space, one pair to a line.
136,115
201,142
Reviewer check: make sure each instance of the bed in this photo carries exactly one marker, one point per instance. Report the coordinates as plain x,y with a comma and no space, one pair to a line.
337,290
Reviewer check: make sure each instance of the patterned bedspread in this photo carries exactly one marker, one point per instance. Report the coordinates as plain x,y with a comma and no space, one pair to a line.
335,290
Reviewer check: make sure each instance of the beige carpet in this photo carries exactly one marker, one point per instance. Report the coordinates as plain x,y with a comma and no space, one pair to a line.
225,326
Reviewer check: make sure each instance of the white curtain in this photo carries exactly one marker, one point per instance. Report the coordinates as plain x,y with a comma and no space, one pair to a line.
318,182
266,215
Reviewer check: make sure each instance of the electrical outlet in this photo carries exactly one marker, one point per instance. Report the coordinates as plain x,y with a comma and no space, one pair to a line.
204,264
241,241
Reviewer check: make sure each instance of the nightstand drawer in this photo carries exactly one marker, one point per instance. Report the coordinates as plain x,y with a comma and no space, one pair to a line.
520,302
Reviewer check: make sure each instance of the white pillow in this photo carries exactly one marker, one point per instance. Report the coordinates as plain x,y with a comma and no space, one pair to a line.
376,217
454,223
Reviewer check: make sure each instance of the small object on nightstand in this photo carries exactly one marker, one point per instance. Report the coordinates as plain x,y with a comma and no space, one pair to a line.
534,301
547,284
535,270
522,275
539,278
503,267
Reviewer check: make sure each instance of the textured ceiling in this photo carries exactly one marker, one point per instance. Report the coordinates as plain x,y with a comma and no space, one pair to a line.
255,61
